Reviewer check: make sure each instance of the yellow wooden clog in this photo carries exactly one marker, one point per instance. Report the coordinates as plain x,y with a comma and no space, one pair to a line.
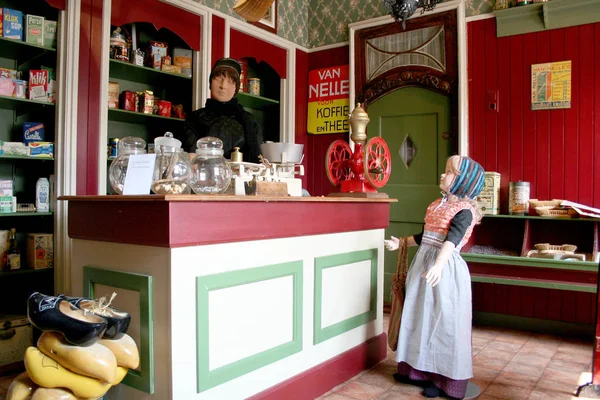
21,388
124,349
46,372
95,361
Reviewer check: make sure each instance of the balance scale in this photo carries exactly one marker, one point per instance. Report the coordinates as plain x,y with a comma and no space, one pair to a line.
244,173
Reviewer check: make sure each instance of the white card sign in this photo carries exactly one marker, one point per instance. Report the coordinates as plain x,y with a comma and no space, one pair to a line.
139,174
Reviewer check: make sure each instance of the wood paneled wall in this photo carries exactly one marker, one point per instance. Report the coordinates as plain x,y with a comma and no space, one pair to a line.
555,150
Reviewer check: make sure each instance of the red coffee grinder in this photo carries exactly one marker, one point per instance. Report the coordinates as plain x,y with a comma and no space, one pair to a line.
362,172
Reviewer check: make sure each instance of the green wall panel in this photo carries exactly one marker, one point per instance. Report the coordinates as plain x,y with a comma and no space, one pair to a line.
142,380
322,263
207,378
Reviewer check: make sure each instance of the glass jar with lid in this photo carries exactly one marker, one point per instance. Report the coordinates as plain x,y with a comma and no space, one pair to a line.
172,169
129,145
211,173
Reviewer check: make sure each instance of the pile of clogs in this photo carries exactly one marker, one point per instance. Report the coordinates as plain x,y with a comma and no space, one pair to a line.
83,351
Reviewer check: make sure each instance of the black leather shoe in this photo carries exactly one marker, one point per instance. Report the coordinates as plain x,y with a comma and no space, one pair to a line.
49,313
118,321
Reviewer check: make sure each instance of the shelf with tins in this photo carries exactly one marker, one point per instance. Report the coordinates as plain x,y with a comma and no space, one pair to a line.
179,30
134,117
498,248
265,106
142,74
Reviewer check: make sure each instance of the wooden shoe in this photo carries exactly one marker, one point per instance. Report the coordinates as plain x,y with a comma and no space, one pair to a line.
49,313
47,373
56,394
21,388
125,350
118,321
95,361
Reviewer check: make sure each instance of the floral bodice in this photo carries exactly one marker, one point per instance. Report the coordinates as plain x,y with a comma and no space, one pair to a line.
439,217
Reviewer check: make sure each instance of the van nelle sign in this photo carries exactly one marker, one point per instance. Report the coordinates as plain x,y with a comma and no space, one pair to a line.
328,101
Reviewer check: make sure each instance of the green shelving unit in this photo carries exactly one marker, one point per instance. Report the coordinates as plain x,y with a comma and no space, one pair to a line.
20,50
146,75
132,117
256,102
22,106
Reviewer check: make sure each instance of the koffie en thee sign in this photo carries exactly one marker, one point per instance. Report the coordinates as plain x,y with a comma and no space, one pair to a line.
328,102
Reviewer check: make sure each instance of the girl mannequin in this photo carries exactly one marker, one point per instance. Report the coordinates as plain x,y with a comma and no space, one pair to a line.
434,343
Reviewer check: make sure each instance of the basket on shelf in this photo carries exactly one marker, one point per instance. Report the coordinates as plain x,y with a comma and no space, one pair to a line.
553,211
553,248
544,203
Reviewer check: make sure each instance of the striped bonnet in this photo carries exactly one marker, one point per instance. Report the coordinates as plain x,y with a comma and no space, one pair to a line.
470,180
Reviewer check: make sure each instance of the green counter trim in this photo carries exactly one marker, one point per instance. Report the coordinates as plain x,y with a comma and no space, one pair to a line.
574,287
322,263
533,324
142,380
206,378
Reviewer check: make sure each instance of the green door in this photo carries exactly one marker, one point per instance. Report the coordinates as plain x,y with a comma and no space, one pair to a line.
414,122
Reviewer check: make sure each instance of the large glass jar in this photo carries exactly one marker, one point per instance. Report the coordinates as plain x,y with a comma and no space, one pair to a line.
128,146
172,169
210,171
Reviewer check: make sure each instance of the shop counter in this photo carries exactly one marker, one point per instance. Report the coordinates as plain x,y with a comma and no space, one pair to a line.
236,297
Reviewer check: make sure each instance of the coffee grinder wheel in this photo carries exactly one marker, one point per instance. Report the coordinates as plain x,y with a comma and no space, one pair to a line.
336,162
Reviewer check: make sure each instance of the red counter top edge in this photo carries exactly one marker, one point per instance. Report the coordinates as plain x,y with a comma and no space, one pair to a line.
161,221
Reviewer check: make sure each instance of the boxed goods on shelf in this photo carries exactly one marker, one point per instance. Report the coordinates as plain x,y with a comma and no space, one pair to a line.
489,198
12,24
34,29
40,253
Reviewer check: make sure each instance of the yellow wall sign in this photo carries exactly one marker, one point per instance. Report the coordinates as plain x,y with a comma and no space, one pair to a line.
551,85
328,102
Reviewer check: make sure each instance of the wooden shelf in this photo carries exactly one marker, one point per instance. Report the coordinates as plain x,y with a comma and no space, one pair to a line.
548,15
132,117
26,214
24,271
255,102
22,106
5,157
538,283
139,74
588,266
21,51
537,217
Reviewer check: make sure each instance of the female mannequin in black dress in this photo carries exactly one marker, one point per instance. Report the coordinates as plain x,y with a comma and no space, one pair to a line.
223,117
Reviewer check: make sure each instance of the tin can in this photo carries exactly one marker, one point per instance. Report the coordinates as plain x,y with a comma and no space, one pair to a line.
113,147
518,198
254,86
244,76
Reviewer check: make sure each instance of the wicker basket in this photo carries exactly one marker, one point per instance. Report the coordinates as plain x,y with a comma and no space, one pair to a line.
252,10
553,248
557,212
544,203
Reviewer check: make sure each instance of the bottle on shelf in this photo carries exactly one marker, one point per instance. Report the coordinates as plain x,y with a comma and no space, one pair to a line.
42,195
13,255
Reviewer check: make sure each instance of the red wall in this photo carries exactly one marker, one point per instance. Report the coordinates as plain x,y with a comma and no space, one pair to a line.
556,151
88,103
316,145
